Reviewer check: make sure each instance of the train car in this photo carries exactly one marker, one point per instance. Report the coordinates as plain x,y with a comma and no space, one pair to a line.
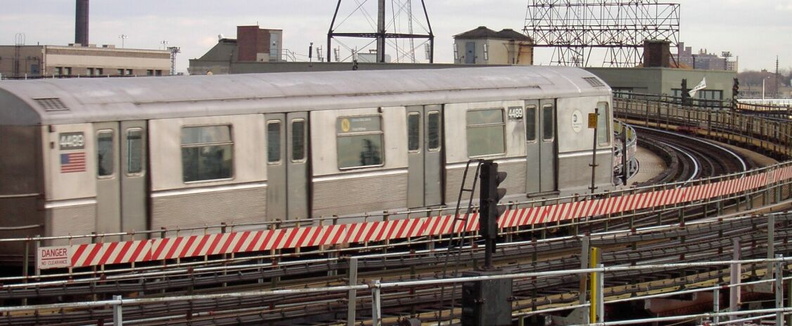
132,154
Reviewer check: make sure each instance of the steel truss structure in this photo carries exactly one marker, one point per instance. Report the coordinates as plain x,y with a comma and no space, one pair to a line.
575,28
385,31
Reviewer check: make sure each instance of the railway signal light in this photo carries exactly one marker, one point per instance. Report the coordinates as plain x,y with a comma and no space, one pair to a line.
489,211
736,88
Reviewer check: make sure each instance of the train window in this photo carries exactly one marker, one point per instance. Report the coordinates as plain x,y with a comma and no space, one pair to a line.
530,123
298,140
359,142
207,153
134,139
273,141
485,132
413,131
603,127
548,123
433,130
105,161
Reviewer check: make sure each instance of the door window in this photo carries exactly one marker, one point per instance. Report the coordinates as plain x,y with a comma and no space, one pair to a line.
135,155
273,142
105,160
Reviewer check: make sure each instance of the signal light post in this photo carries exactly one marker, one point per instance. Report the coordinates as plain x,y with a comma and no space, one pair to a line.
489,211
488,302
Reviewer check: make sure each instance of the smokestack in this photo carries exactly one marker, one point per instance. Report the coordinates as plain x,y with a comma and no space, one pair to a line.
81,23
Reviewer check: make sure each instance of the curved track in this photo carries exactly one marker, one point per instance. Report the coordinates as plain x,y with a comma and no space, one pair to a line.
692,157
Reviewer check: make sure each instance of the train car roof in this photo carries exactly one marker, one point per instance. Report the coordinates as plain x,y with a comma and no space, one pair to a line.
60,101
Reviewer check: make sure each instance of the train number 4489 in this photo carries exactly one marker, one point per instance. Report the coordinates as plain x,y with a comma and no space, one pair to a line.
515,113
71,140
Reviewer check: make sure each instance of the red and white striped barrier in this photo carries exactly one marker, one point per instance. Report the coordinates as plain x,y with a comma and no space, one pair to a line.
254,241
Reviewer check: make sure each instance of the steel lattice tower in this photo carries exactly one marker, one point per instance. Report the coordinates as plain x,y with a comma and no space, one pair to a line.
385,31
575,28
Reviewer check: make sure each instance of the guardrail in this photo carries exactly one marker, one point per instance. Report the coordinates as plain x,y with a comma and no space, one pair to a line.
323,234
595,301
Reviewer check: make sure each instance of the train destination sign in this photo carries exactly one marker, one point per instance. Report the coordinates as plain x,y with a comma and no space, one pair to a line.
53,257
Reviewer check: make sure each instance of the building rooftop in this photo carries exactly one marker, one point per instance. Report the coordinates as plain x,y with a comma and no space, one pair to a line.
482,32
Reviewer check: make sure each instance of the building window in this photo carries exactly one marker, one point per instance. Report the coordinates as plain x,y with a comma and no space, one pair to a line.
207,153
120,72
485,132
67,71
99,71
158,72
58,71
486,52
359,142
149,72
90,71
129,72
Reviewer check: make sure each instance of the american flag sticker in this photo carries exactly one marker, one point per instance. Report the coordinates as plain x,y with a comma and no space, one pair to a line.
72,162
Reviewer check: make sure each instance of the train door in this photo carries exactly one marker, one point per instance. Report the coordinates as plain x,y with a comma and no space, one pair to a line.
287,166
425,155
540,138
121,176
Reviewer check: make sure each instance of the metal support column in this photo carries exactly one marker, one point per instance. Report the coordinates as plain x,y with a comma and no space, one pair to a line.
376,296
779,289
118,318
716,306
584,263
770,242
600,296
381,31
352,308
734,290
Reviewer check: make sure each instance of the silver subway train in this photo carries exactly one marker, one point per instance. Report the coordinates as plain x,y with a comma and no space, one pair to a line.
111,155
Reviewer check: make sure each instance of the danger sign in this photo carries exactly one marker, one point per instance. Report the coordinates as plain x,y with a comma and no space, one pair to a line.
54,257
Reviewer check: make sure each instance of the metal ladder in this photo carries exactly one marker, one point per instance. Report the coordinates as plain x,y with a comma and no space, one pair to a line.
460,218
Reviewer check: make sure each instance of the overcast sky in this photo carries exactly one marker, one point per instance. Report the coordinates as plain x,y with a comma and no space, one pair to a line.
755,31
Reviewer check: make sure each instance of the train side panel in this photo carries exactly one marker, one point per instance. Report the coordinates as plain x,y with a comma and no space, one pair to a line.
206,170
359,160
483,130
